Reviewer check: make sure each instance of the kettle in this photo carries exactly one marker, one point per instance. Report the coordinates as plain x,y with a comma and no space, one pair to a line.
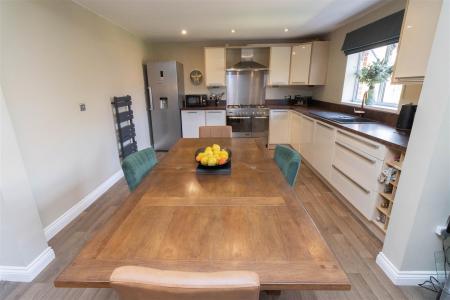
406,117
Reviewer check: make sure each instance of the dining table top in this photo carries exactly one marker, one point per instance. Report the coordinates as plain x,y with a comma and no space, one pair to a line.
179,220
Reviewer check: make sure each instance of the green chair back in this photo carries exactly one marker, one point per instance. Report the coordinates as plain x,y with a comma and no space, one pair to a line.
288,160
135,166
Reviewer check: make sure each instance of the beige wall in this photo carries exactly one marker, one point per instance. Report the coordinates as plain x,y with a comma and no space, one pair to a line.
21,236
332,92
56,55
191,55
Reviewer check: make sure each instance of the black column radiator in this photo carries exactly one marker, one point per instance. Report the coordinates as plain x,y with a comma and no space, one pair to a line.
125,127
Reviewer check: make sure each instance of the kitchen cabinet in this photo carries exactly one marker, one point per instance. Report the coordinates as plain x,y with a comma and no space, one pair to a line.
323,147
191,120
279,126
279,65
306,137
295,132
356,165
215,66
215,118
416,39
348,162
309,63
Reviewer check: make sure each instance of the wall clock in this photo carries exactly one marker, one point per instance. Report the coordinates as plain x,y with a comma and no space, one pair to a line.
196,77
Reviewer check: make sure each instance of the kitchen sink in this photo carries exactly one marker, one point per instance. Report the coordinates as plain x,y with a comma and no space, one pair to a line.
341,118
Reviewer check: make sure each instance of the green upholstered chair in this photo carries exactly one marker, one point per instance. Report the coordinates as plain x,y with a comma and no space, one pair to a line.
288,160
135,166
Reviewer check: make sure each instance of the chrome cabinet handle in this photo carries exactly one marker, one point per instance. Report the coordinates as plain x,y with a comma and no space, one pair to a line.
372,161
238,117
261,117
351,179
324,125
192,112
359,140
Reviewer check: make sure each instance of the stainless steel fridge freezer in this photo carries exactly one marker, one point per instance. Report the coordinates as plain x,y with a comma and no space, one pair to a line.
165,85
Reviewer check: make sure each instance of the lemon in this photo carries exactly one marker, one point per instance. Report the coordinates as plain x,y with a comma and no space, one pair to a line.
204,160
216,147
212,161
224,154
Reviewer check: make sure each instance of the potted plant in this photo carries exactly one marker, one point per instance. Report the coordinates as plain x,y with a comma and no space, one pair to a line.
377,72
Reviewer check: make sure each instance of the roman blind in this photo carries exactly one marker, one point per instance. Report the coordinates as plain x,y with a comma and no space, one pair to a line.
382,32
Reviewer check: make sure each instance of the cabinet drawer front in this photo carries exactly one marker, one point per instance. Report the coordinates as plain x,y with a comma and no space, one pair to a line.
215,118
362,168
365,145
364,201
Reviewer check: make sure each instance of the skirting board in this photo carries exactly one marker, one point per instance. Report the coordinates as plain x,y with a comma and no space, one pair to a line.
402,277
56,226
28,273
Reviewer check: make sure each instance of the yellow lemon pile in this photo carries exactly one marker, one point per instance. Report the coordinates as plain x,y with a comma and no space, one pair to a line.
212,156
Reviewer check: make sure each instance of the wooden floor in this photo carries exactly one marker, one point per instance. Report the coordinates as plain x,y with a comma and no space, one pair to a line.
352,244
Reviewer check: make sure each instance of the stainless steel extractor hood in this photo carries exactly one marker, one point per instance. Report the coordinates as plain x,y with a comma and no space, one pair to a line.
247,63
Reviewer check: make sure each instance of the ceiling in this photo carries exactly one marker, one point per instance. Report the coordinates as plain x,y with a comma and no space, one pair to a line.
208,20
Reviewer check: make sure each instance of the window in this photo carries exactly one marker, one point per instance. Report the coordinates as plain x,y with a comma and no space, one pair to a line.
385,94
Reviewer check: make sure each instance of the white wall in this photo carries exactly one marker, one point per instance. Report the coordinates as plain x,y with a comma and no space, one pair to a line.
54,56
423,197
21,234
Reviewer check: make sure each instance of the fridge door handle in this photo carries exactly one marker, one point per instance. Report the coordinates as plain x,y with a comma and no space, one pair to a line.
151,97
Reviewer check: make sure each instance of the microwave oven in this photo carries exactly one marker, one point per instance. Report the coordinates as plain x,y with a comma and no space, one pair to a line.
196,100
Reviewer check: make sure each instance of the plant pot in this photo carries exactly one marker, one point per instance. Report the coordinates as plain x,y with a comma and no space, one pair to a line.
370,96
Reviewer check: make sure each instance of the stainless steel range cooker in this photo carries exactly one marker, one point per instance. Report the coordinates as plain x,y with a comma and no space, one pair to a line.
248,120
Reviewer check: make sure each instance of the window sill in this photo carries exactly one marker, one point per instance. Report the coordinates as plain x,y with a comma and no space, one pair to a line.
372,107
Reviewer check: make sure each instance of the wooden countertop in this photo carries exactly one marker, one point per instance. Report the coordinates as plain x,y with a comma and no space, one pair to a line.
378,132
176,219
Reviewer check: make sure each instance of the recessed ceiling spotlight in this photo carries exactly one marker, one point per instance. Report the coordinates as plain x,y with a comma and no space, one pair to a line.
184,32
233,30
286,29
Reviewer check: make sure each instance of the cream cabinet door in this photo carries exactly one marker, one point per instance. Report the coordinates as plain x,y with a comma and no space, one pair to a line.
306,145
295,123
191,120
418,29
279,126
300,64
280,62
324,137
215,66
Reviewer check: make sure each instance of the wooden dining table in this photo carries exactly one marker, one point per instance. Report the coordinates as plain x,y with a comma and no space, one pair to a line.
179,220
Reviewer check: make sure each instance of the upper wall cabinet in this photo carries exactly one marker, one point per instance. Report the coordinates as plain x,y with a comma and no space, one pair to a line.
215,66
309,63
416,38
280,61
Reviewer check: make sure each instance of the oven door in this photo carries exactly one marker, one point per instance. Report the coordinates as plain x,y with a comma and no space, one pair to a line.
241,126
260,126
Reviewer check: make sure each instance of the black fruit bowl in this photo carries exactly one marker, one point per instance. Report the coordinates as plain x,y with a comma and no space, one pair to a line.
213,167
